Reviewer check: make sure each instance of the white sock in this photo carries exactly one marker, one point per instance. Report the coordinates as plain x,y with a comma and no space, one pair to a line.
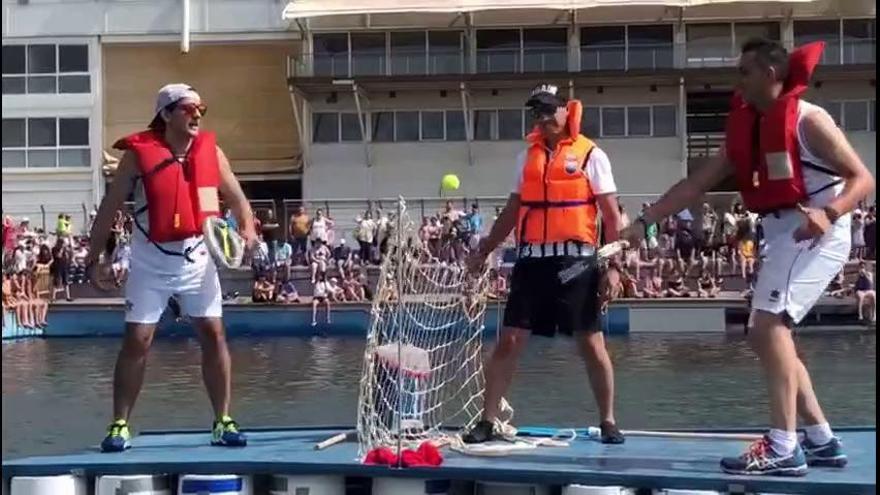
819,434
783,442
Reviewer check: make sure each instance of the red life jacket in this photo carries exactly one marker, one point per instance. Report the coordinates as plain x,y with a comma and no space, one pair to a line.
764,149
180,193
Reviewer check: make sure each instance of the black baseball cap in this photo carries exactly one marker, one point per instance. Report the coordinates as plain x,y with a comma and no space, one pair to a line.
545,96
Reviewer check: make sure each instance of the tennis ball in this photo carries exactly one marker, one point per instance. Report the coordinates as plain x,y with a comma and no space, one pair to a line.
450,182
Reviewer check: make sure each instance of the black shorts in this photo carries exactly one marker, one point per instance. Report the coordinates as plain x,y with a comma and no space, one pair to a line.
542,302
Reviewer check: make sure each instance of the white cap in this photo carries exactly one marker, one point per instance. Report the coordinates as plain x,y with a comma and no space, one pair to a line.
342,241
172,93
25,219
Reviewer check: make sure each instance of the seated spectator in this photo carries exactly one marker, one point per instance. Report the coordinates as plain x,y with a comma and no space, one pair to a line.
630,284
435,233
708,225
19,259
260,261
39,306
631,261
287,293
676,286
320,295
352,287
651,241
78,267
723,259
858,235
320,256
13,300
264,290
686,247
866,297
342,259
498,288
706,286
837,287
667,254
746,250
283,258
652,286
335,291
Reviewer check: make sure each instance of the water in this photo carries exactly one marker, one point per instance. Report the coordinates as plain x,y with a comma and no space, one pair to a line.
57,393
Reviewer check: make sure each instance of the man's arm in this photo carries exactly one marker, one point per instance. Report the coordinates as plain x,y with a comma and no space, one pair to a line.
501,227
610,216
829,143
690,189
236,200
120,188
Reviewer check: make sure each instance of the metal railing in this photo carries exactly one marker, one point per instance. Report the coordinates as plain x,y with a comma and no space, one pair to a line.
704,145
702,54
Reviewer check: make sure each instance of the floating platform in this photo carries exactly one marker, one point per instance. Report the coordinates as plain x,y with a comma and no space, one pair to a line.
641,463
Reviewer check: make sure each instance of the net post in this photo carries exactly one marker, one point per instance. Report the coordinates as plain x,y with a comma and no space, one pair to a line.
399,290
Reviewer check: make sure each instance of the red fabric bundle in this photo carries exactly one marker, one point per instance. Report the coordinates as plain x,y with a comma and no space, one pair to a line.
427,455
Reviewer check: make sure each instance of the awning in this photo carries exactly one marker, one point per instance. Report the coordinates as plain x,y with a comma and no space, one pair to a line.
301,9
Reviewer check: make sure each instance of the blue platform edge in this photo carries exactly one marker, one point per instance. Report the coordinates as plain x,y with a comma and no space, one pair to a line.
650,463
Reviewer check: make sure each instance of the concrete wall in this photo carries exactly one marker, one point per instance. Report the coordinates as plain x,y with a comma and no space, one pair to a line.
243,85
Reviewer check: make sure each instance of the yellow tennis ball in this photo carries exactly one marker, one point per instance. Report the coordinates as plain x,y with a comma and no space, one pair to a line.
450,182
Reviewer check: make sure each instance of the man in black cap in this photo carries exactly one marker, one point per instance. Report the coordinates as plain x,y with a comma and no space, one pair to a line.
563,183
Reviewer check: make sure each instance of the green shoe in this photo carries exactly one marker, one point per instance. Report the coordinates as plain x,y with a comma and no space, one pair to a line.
118,437
225,433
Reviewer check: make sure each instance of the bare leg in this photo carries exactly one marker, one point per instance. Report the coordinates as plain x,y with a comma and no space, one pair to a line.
216,363
128,376
499,370
314,311
327,307
771,340
600,372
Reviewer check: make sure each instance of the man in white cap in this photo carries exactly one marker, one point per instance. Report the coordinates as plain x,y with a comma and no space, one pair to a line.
177,173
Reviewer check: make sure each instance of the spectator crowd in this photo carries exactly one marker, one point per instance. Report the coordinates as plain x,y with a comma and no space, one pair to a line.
707,256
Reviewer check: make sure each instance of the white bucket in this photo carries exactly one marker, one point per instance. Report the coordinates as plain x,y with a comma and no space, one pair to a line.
409,486
685,492
138,484
491,488
48,485
597,490
307,485
214,484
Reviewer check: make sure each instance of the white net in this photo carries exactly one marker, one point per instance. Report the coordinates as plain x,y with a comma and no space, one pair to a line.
422,377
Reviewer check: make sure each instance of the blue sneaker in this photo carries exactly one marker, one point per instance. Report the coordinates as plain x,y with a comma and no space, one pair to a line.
225,433
761,459
828,455
118,437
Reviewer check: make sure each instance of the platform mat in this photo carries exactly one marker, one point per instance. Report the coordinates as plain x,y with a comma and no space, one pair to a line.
639,463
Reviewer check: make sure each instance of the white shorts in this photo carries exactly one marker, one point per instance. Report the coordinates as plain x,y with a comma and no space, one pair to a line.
792,276
196,286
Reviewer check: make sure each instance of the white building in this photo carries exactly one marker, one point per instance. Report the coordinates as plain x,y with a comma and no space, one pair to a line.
438,88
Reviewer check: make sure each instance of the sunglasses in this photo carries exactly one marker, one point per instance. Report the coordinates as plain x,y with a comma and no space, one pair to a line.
190,108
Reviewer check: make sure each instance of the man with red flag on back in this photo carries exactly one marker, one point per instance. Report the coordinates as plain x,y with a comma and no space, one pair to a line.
796,169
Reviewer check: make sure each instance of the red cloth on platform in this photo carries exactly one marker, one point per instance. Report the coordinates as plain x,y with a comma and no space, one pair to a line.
427,455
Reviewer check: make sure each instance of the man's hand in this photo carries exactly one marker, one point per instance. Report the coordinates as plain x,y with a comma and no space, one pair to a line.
816,224
250,238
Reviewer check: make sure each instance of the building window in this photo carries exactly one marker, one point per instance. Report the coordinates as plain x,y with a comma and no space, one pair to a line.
368,54
545,50
46,69
331,54
709,45
649,47
406,125
856,115
835,110
603,48
827,31
483,124
445,52
455,128
498,50
510,125
350,127
383,127
432,126
859,41
46,142
632,121
745,31
408,51
325,127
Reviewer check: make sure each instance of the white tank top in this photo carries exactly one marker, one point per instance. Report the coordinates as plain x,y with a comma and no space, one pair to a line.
814,179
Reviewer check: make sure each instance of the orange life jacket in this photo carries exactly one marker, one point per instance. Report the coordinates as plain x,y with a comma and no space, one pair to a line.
764,149
557,202
180,193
